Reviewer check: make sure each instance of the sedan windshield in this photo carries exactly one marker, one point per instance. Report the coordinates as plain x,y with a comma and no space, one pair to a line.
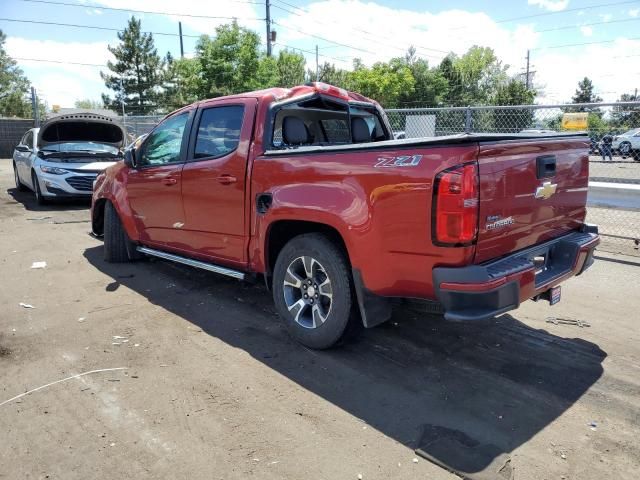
631,133
80,147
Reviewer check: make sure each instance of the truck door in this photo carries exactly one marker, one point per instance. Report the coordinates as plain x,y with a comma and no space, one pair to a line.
214,180
153,187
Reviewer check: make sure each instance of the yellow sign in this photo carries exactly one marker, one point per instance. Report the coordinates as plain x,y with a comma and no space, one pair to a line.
575,121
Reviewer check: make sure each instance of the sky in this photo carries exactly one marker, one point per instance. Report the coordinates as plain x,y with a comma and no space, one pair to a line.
567,39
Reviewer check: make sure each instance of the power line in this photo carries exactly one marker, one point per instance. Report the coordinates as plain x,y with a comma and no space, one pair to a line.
567,27
58,61
583,43
324,39
568,10
374,40
338,59
91,27
130,10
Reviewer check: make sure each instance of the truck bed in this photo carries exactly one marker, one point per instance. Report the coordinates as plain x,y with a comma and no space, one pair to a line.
458,139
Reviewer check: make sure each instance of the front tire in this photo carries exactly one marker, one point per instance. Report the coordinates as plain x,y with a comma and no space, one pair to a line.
117,246
312,291
40,199
19,185
625,150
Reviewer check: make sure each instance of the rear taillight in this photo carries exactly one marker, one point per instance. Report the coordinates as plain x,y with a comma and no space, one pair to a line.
456,202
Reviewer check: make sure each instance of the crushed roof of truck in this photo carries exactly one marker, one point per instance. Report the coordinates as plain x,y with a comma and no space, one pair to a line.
278,93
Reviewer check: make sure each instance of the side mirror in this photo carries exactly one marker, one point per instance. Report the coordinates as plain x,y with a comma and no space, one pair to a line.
22,148
130,157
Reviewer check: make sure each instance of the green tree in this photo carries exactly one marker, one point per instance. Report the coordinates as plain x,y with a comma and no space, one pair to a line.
626,117
431,86
89,104
229,62
513,92
267,75
14,86
137,75
290,67
183,82
585,94
473,78
383,82
329,73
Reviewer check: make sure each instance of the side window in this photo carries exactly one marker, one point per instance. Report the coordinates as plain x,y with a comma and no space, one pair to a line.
219,131
164,143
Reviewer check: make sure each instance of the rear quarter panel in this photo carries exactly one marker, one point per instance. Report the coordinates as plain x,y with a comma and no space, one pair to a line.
382,213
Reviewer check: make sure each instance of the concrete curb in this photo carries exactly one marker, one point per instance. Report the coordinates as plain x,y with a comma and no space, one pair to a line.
614,195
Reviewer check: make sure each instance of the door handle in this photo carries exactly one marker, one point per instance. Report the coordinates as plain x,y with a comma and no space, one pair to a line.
169,181
227,179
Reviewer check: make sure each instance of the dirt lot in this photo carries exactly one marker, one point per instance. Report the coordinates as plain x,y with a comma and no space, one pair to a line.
213,388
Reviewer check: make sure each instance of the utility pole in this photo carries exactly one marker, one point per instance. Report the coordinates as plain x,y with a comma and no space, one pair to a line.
268,19
527,78
34,108
317,66
181,44
124,121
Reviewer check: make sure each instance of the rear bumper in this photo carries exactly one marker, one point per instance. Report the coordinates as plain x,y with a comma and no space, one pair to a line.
480,292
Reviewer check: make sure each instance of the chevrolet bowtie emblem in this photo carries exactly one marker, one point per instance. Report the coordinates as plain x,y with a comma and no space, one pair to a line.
546,190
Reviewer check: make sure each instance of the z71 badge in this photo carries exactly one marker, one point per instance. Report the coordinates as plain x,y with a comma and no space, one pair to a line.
401,161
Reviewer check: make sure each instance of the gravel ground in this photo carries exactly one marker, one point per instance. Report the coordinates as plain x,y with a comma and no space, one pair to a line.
212,387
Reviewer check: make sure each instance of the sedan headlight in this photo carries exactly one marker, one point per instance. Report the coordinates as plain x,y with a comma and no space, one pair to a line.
53,170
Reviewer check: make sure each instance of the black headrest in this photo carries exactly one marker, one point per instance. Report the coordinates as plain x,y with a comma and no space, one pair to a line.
294,131
360,130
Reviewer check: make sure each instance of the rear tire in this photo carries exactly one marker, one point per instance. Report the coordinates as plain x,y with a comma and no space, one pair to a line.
310,265
40,199
19,185
117,246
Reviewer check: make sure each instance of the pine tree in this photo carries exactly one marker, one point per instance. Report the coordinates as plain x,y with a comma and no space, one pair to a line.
137,75
585,94
14,86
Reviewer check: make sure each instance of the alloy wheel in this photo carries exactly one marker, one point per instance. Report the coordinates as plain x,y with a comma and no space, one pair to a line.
308,293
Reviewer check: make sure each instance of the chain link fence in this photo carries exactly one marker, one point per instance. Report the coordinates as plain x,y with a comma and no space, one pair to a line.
139,125
614,149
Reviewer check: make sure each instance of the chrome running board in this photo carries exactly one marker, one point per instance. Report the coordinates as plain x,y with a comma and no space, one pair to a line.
192,263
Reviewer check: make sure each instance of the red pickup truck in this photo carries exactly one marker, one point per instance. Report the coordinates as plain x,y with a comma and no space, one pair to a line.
306,188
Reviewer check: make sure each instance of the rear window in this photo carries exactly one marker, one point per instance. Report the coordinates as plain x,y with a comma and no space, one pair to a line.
336,130
328,123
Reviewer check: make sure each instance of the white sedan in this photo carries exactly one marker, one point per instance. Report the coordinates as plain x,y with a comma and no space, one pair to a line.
628,144
63,157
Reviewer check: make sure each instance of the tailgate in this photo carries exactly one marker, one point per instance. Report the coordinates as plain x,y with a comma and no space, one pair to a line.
530,191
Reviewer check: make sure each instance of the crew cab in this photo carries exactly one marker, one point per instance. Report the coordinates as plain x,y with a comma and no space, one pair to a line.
307,189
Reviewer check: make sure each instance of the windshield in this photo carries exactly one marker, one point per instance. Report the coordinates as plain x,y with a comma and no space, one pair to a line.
80,147
631,133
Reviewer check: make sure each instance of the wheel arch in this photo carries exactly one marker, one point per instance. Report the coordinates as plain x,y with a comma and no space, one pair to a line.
126,217
280,232
373,309
97,216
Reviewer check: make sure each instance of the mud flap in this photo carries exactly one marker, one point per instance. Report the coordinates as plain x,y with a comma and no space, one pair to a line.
374,309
